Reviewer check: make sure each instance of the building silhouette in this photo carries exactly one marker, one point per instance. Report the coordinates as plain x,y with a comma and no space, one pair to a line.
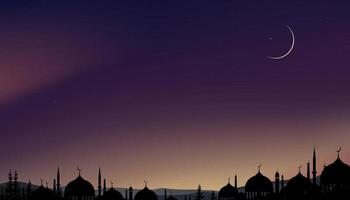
334,184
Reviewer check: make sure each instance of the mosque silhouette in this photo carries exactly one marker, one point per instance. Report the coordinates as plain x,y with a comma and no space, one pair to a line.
334,184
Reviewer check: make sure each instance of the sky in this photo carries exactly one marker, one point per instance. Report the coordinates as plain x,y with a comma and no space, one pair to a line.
178,93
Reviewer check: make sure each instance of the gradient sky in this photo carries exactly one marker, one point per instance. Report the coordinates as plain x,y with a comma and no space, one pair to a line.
178,93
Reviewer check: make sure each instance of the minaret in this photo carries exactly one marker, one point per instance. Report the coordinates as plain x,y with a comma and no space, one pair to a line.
236,181
282,182
314,172
104,186
99,187
54,186
126,194
131,196
277,182
29,190
58,183
308,172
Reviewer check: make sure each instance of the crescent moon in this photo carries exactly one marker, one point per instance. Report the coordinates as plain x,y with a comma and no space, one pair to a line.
289,51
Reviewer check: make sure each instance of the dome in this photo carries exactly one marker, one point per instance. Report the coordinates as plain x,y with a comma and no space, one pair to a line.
336,173
146,194
228,191
112,194
79,187
259,183
298,184
43,194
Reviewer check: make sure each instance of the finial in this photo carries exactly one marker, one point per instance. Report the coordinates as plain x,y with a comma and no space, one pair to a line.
41,182
111,184
47,184
300,168
259,167
145,183
79,170
229,179
339,152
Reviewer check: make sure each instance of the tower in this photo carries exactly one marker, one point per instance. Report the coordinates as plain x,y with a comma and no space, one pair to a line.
99,183
277,182
126,194
54,186
308,172
131,196
236,181
58,183
29,190
314,172
104,186
282,181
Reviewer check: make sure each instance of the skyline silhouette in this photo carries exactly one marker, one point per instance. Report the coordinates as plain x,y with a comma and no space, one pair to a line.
334,182
174,92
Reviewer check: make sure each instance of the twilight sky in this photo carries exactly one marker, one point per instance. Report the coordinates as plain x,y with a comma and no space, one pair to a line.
178,93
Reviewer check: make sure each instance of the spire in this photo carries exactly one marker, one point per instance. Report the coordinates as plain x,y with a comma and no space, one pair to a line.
145,183
99,183
236,181
300,168
314,172
229,180
259,167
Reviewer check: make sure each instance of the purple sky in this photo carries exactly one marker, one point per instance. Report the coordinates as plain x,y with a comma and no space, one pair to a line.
177,93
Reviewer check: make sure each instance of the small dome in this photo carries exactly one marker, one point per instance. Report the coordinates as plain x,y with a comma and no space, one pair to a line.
259,183
43,194
146,194
228,191
336,173
277,174
112,194
79,187
298,184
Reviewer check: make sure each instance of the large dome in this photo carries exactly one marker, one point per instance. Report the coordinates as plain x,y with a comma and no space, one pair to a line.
228,191
146,194
112,194
43,194
259,183
336,173
79,187
299,184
